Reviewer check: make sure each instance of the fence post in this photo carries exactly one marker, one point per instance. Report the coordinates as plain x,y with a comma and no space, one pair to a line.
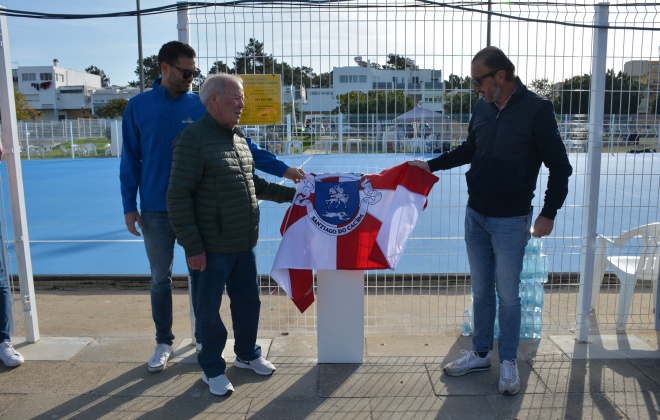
71,134
592,180
16,193
182,23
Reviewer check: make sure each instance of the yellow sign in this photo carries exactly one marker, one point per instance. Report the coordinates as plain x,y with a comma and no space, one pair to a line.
263,99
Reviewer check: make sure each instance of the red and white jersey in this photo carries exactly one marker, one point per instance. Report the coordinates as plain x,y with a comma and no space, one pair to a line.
348,222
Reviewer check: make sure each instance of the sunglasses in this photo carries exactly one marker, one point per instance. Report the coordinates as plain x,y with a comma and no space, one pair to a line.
187,73
476,81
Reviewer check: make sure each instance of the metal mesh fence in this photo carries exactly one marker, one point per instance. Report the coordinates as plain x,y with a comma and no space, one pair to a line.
375,61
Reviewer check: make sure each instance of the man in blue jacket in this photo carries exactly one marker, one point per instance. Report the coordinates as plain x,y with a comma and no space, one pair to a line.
511,132
151,122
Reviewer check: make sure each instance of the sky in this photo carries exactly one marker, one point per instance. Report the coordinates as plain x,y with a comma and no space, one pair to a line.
110,44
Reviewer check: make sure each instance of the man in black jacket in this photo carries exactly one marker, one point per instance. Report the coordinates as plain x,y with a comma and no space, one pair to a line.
511,132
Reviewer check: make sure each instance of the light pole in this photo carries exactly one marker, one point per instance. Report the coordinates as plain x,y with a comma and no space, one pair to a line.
139,33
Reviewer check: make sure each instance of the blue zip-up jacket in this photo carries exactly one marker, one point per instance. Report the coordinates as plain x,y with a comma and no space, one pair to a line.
505,150
151,122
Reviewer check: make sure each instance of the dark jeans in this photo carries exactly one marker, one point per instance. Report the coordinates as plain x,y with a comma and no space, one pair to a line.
238,271
159,243
5,298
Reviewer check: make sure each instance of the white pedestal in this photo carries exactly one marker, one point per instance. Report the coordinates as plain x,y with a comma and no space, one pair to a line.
340,316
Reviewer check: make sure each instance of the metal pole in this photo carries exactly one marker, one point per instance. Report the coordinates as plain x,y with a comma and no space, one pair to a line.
490,9
140,63
592,179
16,194
182,22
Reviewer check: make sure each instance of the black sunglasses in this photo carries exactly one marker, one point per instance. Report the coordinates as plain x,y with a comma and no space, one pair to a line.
187,73
477,80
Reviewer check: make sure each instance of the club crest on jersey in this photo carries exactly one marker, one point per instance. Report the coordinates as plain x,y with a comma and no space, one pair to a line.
340,203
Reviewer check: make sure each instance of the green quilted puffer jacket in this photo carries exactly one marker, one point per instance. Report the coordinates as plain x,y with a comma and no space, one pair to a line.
213,190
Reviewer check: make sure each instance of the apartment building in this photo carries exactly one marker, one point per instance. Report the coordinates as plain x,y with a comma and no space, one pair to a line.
426,85
647,74
101,97
59,93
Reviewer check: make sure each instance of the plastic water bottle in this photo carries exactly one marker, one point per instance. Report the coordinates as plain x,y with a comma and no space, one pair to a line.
467,323
543,267
534,246
538,296
538,323
526,323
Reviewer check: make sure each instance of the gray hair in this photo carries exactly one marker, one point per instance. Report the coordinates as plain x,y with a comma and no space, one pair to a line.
217,83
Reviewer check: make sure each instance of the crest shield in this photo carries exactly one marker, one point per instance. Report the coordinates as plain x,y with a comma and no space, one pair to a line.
337,202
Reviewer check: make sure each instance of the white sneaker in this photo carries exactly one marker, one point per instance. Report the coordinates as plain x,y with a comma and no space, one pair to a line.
9,356
260,365
469,362
509,377
161,355
219,385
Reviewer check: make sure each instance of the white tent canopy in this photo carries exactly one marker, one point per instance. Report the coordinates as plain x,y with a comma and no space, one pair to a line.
418,113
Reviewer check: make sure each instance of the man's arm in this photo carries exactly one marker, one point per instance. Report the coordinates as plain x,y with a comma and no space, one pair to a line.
553,154
267,162
130,170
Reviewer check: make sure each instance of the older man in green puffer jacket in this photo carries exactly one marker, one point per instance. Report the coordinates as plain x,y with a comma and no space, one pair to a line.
213,208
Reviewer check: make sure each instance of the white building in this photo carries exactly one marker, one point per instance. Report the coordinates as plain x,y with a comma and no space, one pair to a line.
101,97
425,85
57,92
647,74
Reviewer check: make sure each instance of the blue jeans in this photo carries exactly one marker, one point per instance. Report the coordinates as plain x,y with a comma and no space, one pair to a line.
5,297
238,271
495,249
159,243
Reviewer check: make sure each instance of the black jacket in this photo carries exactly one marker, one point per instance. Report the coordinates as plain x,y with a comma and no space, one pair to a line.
505,150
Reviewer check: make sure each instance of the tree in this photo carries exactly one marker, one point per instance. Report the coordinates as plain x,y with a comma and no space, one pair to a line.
105,80
253,60
542,87
459,96
456,82
399,62
24,112
621,94
381,102
114,109
654,100
220,67
460,102
151,71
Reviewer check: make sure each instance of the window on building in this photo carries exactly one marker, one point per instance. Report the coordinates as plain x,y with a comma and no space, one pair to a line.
29,77
59,77
353,78
72,91
46,76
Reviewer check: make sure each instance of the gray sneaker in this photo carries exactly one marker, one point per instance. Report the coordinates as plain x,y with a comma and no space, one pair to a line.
509,377
469,362
159,359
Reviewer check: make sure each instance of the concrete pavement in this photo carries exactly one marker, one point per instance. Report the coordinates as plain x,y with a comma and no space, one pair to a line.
91,363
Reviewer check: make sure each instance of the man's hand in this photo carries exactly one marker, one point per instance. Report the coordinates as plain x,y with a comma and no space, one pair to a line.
130,219
420,164
294,174
197,262
542,226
